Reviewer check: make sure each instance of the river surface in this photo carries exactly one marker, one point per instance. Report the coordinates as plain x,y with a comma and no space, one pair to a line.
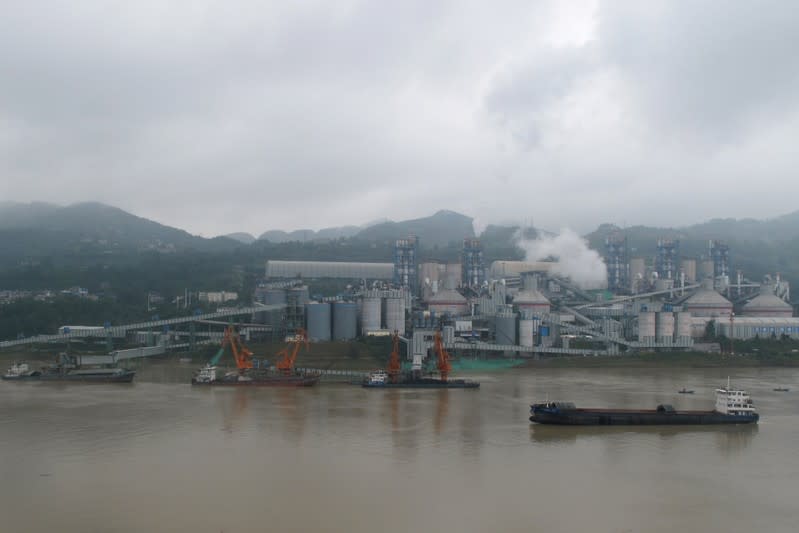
159,455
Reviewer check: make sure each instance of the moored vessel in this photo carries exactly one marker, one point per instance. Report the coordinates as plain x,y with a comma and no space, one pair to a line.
284,375
733,406
67,369
396,379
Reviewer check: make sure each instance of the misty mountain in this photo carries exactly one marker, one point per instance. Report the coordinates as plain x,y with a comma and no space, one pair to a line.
242,237
309,235
440,229
37,229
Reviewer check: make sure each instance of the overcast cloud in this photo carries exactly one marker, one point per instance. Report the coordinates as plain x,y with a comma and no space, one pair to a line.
246,116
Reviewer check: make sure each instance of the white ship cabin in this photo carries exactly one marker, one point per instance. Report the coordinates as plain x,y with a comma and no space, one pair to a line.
378,377
734,402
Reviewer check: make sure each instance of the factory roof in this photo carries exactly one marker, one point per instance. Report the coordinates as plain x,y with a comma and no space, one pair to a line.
447,296
707,298
767,302
530,297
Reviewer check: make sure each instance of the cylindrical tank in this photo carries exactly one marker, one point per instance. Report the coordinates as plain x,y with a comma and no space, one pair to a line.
298,296
706,269
646,326
370,314
505,328
637,271
318,316
345,321
526,332
395,315
274,296
664,331
689,268
683,326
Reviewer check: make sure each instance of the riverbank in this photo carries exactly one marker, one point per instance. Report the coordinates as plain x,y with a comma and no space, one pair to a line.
669,360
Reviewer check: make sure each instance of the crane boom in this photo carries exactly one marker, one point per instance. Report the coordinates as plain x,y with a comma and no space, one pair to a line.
288,355
394,365
444,366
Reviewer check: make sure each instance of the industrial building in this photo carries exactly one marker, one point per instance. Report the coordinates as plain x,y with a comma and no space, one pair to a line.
662,302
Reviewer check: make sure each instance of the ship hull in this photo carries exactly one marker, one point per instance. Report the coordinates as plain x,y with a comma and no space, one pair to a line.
125,377
603,417
425,383
261,381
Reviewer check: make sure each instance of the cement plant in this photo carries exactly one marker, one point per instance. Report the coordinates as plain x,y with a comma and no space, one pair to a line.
620,304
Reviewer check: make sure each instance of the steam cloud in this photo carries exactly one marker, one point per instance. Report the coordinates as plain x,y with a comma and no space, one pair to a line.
575,259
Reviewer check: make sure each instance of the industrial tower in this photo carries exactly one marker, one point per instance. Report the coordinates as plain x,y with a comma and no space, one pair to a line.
472,269
617,262
406,252
667,258
720,254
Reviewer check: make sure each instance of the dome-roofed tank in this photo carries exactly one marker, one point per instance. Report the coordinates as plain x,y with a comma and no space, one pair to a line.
448,300
767,304
530,300
706,302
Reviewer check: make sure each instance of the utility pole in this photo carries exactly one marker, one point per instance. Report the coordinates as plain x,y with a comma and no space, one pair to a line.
732,317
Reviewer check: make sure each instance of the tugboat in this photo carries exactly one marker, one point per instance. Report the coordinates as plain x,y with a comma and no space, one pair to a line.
68,369
685,391
733,406
247,376
395,378
20,371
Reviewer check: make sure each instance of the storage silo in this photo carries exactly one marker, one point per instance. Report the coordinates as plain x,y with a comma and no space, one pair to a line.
395,315
664,330
318,317
637,272
706,269
505,324
689,268
646,327
526,331
274,296
345,321
683,327
370,314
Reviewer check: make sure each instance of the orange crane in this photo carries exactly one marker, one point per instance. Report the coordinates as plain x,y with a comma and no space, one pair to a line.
394,365
444,365
241,353
289,354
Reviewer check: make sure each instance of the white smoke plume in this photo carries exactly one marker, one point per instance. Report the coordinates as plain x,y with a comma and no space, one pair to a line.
575,260
479,226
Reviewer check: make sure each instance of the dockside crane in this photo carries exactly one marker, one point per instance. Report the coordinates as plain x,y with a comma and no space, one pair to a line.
394,365
444,366
241,354
288,355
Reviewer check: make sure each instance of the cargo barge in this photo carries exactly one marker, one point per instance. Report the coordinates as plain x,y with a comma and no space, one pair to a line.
208,376
732,407
283,375
380,380
64,372
394,378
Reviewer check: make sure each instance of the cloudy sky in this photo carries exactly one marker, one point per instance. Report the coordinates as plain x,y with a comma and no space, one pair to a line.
246,116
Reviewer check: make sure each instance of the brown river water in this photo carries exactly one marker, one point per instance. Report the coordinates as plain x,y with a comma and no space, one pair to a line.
160,455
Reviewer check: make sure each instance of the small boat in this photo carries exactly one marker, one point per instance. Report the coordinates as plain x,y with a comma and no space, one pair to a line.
685,391
20,371
781,389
